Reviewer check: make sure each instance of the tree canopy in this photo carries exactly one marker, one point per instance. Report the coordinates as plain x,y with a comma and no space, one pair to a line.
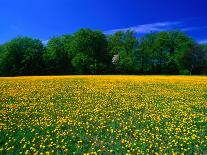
92,52
21,56
57,55
89,50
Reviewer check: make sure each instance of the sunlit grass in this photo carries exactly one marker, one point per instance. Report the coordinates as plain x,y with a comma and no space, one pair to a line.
103,115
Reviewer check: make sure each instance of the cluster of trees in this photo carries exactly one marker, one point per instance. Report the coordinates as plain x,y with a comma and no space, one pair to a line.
92,52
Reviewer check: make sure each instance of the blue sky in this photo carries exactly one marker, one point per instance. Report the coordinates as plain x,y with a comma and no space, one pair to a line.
44,19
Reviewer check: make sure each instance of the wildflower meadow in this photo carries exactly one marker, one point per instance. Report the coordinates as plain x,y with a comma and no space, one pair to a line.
103,115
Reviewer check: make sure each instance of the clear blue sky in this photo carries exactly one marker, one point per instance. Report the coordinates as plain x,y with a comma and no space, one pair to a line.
44,19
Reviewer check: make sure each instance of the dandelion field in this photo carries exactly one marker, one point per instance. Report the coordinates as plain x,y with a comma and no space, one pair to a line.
103,115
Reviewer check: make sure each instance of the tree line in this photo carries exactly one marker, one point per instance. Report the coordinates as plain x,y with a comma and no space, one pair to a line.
92,52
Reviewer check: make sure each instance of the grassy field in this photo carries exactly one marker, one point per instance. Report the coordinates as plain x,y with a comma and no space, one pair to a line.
103,115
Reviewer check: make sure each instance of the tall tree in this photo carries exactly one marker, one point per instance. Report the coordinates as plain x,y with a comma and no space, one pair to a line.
22,56
89,49
145,54
1,59
122,46
58,56
194,59
159,53
92,52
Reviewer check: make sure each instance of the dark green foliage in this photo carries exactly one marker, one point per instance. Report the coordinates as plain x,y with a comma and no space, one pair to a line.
22,56
89,50
194,60
92,52
82,63
57,56
124,45
160,53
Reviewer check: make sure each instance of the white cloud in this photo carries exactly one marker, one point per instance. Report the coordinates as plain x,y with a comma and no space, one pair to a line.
187,29
45,42
147,28
203,41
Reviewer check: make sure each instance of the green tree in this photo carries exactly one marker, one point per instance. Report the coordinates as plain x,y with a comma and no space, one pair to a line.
122,46
57,56
194,59
1,59
92,52
159,53
89,48
22,56
81,61
145,54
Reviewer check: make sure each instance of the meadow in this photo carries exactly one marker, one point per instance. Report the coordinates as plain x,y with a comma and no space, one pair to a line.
103,115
